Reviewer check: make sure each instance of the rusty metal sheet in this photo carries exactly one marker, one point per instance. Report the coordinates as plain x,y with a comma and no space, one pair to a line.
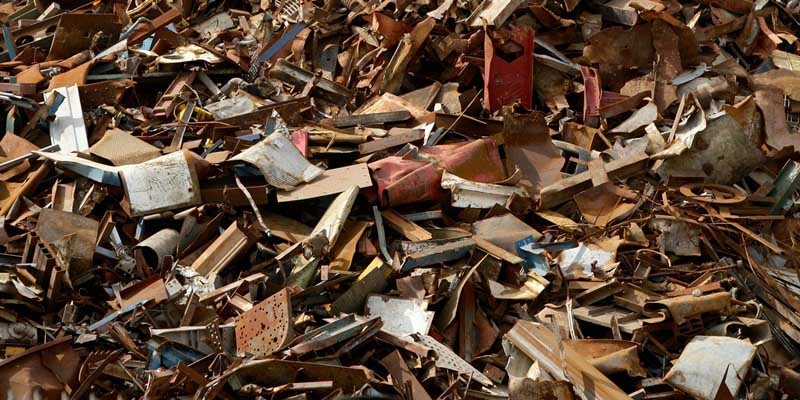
276,372
401,181
11,147
529,148
104,93
619,46
344,251
227,192
267,327
152,290
55,226
76,76
76,32
47,369
606,203
563,190
38,35
324,235
609,356
331,181
477,160
121,148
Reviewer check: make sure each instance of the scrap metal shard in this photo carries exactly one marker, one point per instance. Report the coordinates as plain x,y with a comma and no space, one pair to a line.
323,237
447,359
562,362
528,146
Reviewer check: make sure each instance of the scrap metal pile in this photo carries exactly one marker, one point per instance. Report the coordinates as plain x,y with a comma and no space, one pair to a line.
430,199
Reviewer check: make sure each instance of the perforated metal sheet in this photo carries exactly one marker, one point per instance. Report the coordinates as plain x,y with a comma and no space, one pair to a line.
267,327
214,336
447,359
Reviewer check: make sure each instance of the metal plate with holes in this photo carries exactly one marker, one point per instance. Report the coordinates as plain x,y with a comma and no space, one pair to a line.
214,336
447,359
267,327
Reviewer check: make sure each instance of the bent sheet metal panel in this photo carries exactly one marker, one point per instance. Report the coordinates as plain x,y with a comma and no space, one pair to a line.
469,194
704,362
401,316
55,225
280,162
164,183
